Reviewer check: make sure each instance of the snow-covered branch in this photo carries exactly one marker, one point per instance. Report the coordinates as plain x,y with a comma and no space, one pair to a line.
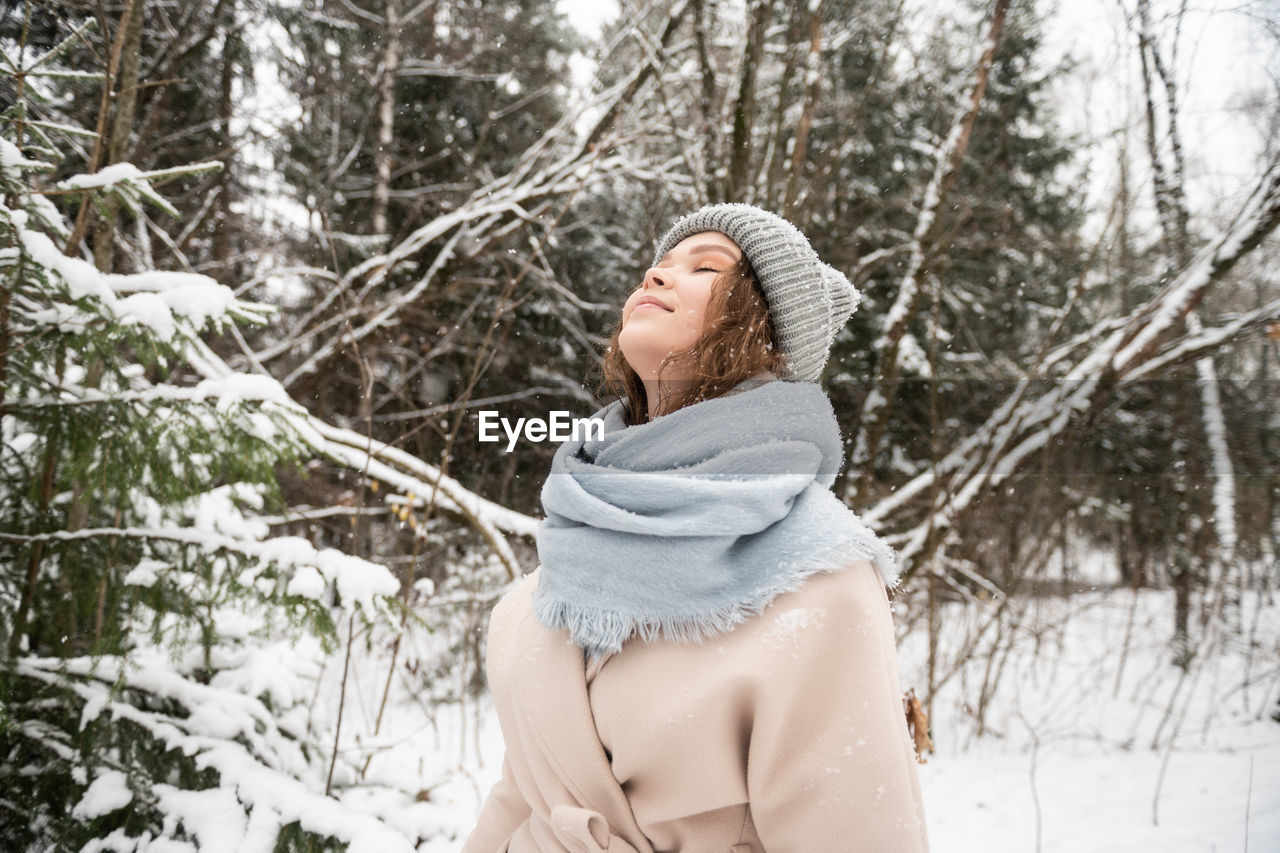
1026,423
357,581
398,469
1257,218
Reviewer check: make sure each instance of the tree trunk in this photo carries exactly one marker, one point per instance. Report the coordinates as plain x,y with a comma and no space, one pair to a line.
386,117
775,176
812,78
125,87
737,181
223,228
1170,200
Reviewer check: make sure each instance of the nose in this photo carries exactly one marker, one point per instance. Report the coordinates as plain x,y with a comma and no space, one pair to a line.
654,277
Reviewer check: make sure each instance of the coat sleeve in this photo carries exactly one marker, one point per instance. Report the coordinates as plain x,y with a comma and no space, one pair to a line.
830,764
504,810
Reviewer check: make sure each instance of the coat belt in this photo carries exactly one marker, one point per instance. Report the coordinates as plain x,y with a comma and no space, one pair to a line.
586,831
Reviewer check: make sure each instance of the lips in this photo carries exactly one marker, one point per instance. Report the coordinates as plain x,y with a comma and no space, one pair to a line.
652,301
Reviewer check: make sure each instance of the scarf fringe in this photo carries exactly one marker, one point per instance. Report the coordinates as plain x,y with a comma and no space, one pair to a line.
602,632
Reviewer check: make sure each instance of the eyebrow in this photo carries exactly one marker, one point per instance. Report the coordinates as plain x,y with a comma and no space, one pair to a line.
704,248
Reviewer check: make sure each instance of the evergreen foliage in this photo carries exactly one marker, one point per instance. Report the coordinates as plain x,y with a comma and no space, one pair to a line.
138,586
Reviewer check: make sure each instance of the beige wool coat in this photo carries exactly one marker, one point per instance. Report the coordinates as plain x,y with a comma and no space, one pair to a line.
785,734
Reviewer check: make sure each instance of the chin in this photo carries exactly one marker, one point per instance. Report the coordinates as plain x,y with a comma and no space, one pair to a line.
636,347
644,344
645,367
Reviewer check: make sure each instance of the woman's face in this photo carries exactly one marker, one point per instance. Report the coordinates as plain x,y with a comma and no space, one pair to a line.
665,314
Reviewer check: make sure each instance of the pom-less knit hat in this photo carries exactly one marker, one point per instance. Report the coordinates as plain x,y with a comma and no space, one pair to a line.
809,301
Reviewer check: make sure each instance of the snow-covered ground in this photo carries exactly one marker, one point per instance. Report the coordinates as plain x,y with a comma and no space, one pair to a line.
1066,762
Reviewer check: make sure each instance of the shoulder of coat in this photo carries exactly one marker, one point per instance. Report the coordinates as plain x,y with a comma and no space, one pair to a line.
826,605
855,587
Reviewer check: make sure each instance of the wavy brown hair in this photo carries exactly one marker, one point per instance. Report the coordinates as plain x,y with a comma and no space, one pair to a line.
737,342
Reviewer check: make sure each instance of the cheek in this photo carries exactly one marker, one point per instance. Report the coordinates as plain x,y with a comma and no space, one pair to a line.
691,325
695,306
688,329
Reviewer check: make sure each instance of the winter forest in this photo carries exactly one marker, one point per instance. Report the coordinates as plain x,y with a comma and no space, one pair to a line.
264,262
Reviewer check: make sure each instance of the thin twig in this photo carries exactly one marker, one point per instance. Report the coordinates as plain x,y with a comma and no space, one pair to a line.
342,701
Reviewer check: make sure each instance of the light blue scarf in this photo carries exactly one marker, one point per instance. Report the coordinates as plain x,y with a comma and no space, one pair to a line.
686,525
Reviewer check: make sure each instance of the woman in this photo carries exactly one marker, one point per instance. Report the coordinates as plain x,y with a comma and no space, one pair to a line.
704,660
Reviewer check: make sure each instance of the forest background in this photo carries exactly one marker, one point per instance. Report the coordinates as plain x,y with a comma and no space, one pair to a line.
264,261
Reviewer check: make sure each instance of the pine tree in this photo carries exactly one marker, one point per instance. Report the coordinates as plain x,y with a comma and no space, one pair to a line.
146,612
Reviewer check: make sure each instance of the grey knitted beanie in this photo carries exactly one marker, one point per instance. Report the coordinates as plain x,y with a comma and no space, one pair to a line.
809,301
